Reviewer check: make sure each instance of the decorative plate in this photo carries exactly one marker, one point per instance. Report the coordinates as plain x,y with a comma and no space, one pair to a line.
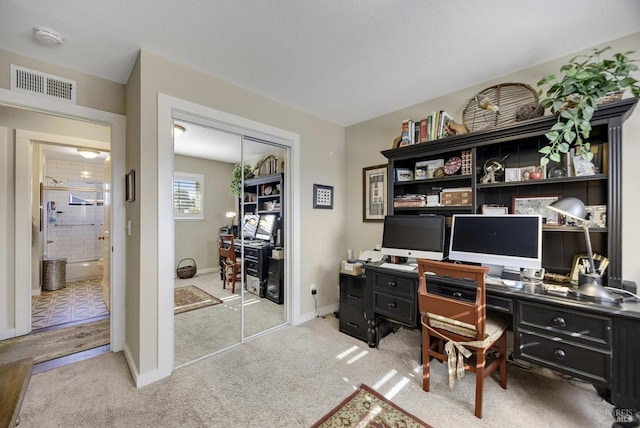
439,172
452,165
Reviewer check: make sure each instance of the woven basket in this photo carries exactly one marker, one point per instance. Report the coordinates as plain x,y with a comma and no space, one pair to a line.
185,272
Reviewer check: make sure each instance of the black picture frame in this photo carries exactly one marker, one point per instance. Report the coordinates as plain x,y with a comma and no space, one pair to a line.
322,196
374,189
130,186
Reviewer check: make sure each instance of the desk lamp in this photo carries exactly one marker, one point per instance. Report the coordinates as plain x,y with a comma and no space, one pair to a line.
230,215
592,289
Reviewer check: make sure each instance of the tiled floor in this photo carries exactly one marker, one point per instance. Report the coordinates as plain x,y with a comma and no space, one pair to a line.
77,301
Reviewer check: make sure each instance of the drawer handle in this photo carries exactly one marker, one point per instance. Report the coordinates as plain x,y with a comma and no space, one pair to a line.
351,296
457,295
560,354
392,305
392,284
352,324
559,322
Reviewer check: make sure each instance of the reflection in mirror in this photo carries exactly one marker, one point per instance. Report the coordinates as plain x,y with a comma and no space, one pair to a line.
209,310
208,313
264,197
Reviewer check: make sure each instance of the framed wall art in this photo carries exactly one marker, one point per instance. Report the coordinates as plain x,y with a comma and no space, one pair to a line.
374,185
537,204
322,196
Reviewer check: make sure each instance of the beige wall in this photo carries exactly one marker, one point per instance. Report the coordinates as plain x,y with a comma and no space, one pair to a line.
365,141
198,239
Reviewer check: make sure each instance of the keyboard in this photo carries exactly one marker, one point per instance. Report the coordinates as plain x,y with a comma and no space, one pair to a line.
406,268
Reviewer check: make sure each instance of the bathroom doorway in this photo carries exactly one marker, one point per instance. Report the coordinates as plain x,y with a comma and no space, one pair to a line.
69,263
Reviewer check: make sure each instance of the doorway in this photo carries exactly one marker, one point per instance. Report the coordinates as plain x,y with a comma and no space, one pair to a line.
20,168
71,258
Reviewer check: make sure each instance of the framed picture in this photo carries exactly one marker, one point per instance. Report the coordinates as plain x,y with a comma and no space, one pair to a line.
598,215
511,174
494,210
374,190
537,204
404,174
130,186
322,196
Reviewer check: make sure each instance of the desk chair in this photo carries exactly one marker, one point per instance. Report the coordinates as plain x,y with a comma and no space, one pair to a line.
459,326
232,269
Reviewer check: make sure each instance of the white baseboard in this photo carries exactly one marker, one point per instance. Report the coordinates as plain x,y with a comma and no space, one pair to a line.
324,311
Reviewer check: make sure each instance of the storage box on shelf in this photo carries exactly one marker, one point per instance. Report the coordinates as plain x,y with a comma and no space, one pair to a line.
516,147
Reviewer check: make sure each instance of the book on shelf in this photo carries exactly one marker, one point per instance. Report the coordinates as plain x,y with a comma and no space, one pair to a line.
443,119
423,131
404,137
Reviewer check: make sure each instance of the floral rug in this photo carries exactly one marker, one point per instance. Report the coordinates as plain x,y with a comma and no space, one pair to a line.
367,408
191,297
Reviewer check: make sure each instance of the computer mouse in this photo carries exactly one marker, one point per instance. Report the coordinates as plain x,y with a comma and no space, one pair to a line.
508,282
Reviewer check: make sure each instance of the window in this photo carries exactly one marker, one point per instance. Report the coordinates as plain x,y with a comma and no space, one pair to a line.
188,190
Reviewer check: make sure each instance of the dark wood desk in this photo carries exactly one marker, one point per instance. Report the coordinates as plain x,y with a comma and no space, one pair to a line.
594,342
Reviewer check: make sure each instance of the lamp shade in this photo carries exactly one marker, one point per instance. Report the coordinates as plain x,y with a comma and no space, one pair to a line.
570,207
88,153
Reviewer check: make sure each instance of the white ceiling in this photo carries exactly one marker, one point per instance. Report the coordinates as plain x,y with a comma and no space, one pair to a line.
342,60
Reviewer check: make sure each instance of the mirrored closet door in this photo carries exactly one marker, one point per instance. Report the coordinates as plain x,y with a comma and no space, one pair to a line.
218,202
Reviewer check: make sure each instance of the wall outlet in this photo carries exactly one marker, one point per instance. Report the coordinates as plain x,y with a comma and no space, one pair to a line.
314,289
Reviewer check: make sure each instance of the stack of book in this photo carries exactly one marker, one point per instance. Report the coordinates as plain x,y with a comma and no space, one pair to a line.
430,128
410,201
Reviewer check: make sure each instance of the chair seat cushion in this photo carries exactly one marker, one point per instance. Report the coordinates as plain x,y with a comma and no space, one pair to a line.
494,327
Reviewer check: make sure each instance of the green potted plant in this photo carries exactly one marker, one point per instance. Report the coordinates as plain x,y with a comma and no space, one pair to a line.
587,81
238,173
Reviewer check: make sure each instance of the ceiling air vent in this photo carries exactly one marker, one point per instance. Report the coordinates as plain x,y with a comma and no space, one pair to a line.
43,84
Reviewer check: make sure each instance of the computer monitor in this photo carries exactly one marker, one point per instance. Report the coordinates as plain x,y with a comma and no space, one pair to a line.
498,242
414,236
265,227
249,226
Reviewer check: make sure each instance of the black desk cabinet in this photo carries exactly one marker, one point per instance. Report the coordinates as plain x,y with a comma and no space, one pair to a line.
352,306
275,282
597,343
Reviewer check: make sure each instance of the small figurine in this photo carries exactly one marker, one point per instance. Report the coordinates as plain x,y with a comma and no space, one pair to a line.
456,128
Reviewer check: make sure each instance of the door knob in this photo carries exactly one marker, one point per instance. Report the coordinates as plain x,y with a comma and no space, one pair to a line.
100,238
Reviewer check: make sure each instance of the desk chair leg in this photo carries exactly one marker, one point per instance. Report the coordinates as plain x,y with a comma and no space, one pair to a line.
502,348
426,348
480,365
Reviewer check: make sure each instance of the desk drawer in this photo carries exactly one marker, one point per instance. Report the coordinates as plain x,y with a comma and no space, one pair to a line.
585,363
352,291
399,310
353,321
578,326
468,294
395,285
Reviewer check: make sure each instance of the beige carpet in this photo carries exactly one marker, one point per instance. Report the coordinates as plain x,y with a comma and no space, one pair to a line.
52,344
294,376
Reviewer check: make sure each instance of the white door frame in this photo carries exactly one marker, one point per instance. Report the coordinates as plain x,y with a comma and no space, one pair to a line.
169,108
22,261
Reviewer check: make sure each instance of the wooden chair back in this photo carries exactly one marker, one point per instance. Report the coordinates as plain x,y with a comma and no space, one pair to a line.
466,305
226,248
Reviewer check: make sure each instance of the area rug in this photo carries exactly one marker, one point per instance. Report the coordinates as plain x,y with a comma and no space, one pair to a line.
191,297
49,345
367,408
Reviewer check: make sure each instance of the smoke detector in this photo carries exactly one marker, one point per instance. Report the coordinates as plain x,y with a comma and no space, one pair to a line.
48,36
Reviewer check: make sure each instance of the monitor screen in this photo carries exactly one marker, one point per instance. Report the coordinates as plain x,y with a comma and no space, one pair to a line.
249,226
414,236
499,241
265,226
